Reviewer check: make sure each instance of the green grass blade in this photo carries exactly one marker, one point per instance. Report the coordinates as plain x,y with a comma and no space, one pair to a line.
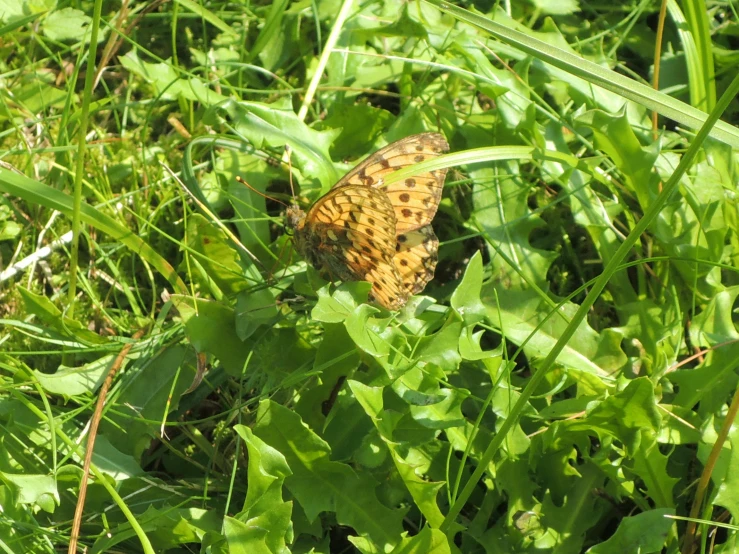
39,194
597,75
207,15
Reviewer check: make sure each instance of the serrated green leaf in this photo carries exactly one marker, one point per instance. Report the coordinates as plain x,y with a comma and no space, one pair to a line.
321,485
644,533
625,415
440,348
427,541
365,333
265,523
210,328
652,467
423,492
466,297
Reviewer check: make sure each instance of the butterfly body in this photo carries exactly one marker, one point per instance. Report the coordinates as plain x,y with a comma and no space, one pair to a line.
363,231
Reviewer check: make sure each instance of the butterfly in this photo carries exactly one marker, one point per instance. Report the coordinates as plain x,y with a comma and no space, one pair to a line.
362,230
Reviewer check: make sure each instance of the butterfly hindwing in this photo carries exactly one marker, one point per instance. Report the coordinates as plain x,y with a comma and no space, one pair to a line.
416,257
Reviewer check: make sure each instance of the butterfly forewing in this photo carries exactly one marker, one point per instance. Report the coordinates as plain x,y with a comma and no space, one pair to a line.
415,199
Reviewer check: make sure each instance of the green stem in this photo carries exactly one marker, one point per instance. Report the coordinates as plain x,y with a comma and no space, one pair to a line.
81,147
333,37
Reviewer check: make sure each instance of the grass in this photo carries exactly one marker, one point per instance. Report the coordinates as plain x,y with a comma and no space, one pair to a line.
566,383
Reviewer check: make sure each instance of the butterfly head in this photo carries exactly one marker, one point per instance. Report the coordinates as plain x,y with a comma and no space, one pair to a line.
294,217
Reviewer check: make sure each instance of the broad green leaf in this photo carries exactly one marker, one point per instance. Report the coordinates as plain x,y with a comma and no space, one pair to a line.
652,467
470,349
112,461
404,26
556,7
444,414
707,384
72,381
556,467
245,538
366,333
11,10
40,490
331,308
321,485
589,209
427,541
254,308
519,314
423,492
22,516
265,522
168,83
644,533
466,297
440,348
279,351
360,124
39,95
681,427
212,251
336,359
502,214
656,330
68,24
276,125
567,524
615,136
270,31
167,527
625,415
210,328
147,393
9,230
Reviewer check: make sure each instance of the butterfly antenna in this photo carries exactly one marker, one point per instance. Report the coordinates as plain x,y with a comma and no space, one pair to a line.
243,182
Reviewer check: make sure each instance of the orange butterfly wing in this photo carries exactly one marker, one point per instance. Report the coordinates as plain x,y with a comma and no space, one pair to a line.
416,199
415,257
362,230
350,234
